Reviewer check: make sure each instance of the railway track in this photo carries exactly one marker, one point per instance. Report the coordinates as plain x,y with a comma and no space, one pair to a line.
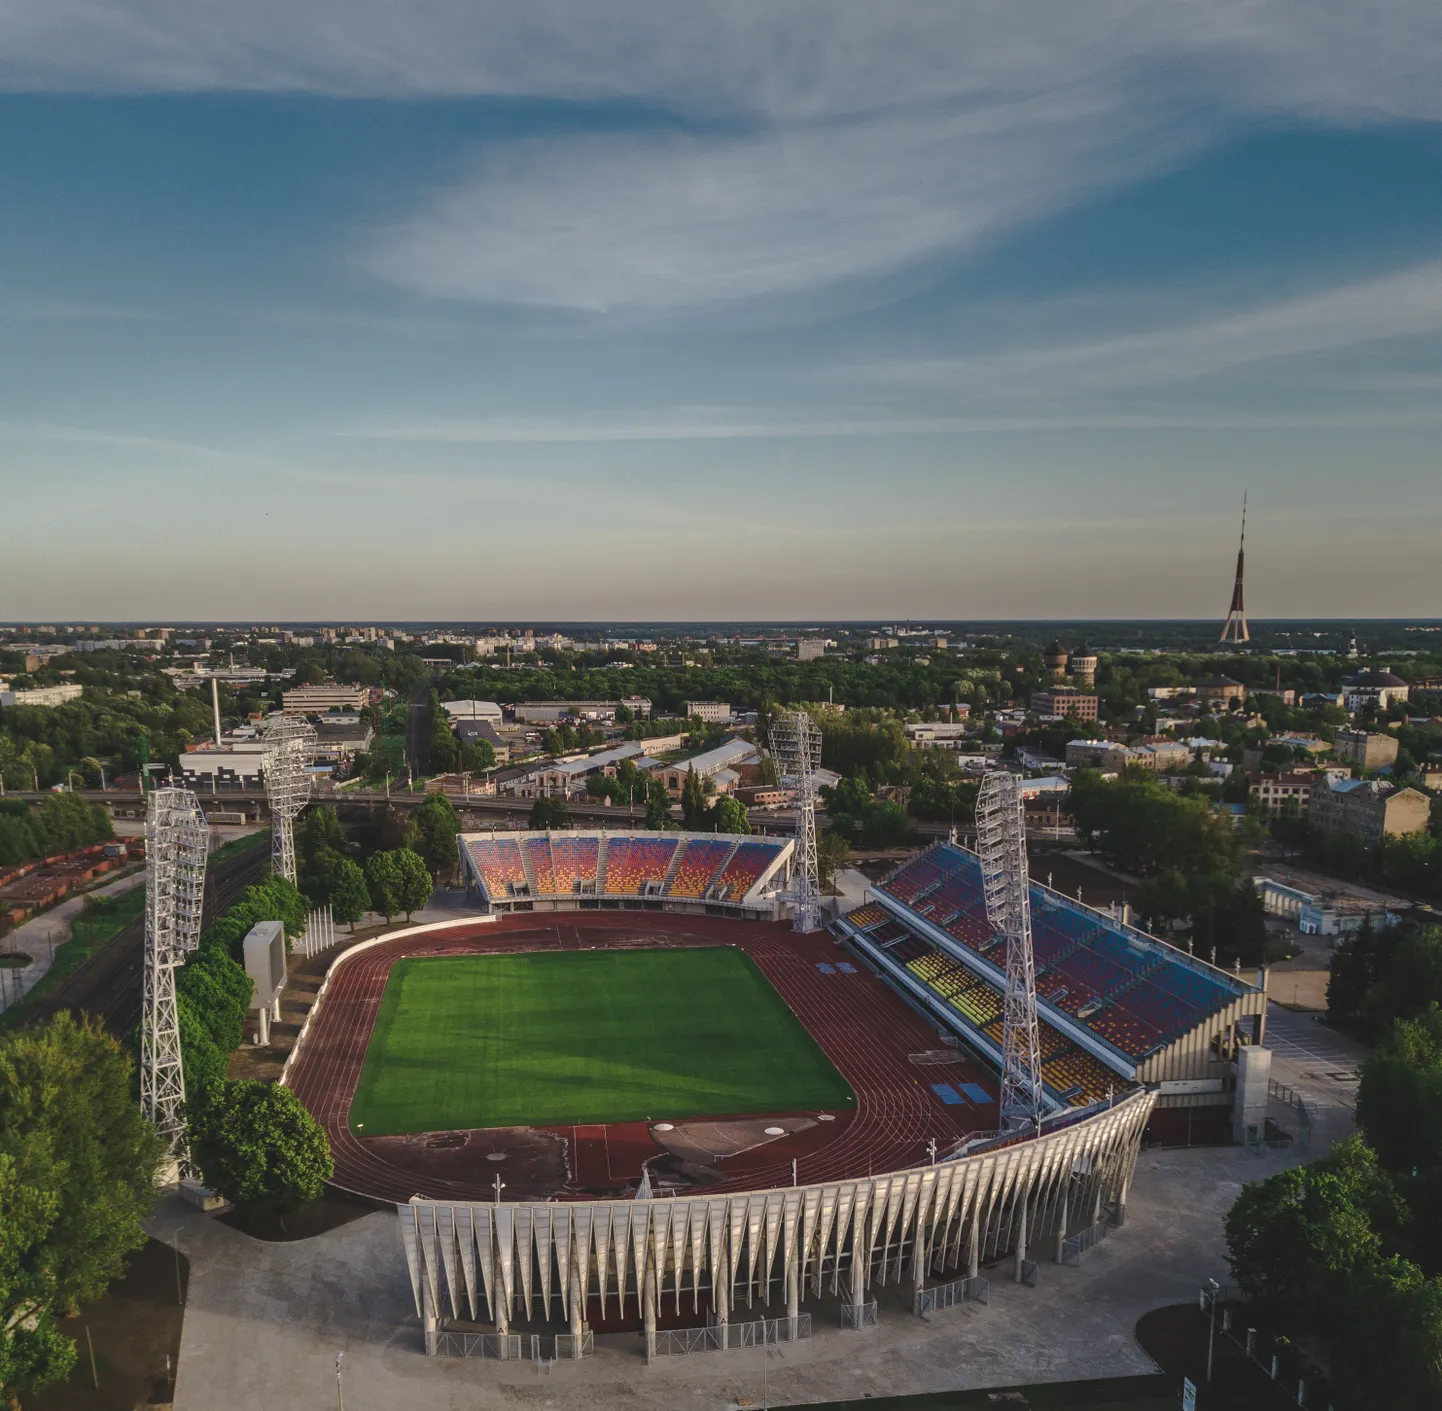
108,985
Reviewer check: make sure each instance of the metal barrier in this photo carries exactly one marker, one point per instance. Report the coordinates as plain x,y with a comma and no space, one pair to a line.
1074,1246
724,1337
512,1347
858,1315
1289,1096
452,1343
1030,1272
977,1290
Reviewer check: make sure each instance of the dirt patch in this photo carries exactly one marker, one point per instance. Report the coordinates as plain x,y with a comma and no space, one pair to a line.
532,1163
1302,990
134,1330
330,1212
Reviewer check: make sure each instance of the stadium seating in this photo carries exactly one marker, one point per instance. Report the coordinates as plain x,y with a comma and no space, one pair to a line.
864,916
538,850
1124,1030
633,864
1074,1074
698,866
914,878
745,868
498,862
576,861
1136,994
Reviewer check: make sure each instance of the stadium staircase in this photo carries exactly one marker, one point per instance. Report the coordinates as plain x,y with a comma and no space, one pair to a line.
525,851
601,865
711,892
1152,967
674,867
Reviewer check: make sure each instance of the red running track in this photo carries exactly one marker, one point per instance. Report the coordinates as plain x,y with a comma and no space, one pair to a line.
862,1027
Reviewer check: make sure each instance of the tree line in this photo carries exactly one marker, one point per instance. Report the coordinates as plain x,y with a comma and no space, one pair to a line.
57,824
1348,1250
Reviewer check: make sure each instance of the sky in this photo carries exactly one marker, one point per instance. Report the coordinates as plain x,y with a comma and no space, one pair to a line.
609,309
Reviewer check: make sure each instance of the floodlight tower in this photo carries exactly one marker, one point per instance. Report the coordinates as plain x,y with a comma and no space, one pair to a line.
289,744
176,843
1001,842
796,744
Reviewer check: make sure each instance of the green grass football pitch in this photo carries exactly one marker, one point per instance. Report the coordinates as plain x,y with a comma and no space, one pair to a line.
553,1038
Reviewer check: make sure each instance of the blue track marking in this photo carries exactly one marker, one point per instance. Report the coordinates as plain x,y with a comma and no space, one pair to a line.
947,1094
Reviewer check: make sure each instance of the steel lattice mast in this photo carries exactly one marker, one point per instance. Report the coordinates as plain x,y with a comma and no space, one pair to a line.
176,843
796,745
1001,842
289,744
1234,629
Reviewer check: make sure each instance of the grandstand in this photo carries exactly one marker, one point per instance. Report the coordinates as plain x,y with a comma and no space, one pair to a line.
1117,1008
542,871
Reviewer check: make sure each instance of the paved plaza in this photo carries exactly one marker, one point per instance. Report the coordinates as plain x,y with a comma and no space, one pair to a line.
265,1321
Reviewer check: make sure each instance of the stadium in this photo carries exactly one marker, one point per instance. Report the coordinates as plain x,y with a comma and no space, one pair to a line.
625,1094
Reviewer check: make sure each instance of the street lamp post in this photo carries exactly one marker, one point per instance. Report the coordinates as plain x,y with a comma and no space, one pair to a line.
1212,1329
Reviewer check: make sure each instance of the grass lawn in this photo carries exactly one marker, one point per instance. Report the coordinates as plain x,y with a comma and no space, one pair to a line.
554,1038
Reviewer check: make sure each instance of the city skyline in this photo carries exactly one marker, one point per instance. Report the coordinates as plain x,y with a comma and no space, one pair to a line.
628,314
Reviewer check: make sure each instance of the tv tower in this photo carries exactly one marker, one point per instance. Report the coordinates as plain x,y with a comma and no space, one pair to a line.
1235,627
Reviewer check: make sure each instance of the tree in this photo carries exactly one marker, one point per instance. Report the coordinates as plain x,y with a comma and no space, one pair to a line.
77,1177
1353,972
256,1144
1399,1100
437,824
416,881
885,825
549,812
693,801
833,852
1295,1239
658,805
383,880
349,895
728,815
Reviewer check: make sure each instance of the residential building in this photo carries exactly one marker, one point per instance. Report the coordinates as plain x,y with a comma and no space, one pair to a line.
1159,756
42,695
1369,808
810,649
316,700
708,712
1366,749
1105,755
471,731
1220,691
1063,701
1375,688
1283,792
566,778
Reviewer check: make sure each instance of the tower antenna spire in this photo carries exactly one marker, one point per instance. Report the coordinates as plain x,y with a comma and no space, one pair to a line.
1234,629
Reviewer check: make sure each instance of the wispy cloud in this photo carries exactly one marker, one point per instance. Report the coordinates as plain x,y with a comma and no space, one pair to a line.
826,141
1406,303
123,440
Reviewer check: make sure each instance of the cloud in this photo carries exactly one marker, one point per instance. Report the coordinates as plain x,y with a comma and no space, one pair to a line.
810,145
1406,303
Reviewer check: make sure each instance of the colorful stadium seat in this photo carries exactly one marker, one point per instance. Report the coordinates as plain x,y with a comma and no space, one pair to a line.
698,866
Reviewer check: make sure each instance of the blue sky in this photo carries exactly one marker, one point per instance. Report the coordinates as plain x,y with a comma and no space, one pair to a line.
652,311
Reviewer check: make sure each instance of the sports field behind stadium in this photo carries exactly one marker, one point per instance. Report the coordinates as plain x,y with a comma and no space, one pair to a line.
559,1038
